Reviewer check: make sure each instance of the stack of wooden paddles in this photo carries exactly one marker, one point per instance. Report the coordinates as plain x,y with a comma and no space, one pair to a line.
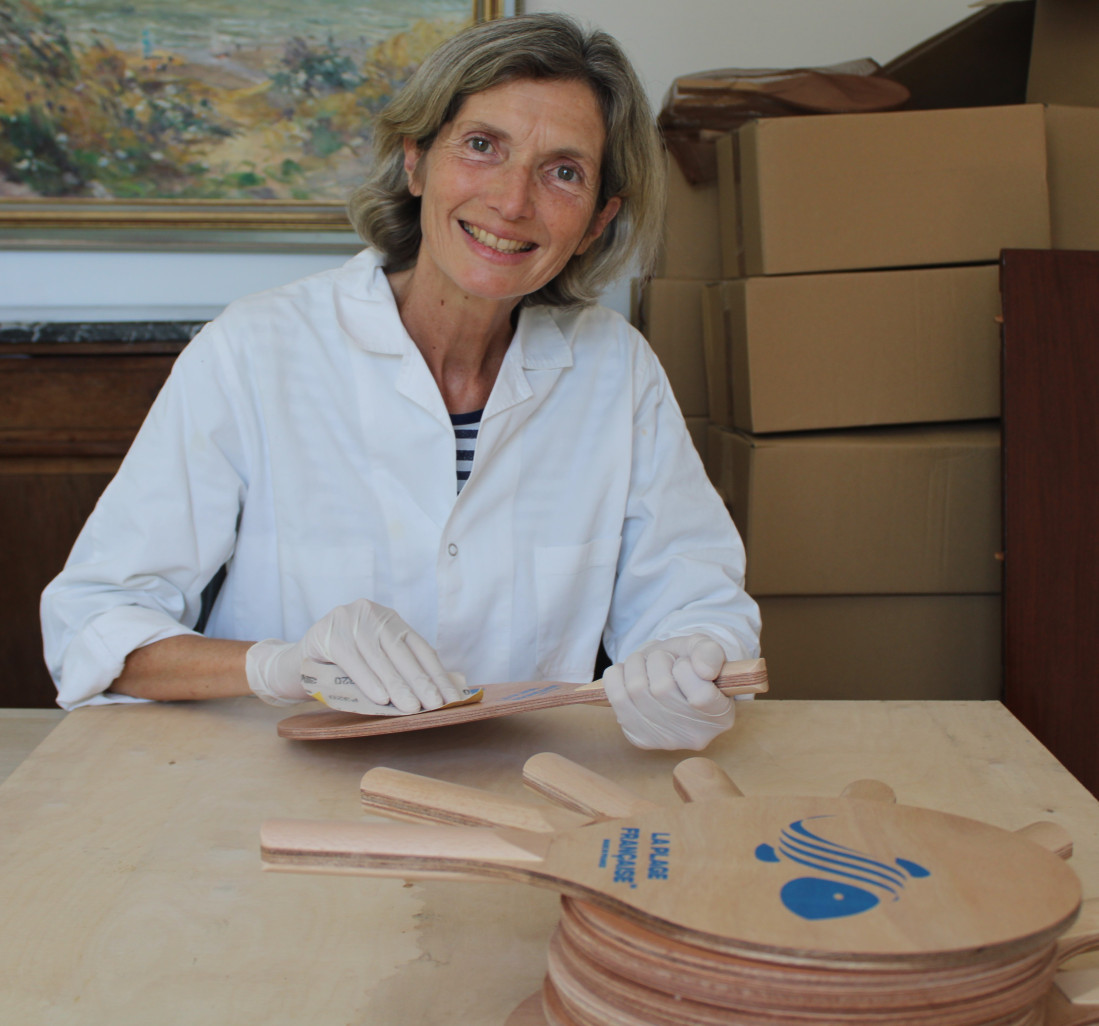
750,911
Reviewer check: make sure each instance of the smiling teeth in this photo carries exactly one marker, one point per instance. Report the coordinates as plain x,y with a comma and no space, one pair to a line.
498,244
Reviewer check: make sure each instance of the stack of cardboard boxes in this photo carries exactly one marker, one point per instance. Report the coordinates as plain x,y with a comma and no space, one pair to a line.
852,360
668,310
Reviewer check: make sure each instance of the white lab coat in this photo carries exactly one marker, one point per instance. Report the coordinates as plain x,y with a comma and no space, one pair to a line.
301,440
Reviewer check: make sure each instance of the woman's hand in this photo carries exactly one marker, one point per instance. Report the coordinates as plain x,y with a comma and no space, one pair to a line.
664,695
383,657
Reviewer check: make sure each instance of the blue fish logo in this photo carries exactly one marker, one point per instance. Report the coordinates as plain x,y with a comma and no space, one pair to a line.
855,881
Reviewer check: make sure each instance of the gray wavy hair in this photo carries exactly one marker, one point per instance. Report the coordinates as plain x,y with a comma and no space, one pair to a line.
539,47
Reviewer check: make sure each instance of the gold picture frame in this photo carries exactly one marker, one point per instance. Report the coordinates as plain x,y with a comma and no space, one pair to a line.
143,97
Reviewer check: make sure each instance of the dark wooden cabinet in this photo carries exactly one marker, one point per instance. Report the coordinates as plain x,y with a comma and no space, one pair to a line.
68,412
1051,500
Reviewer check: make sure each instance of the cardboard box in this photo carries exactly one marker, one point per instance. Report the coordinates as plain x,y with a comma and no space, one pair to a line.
692,239
820,351
698,428
719,460
669,315
914,188
728,207
1072,138
716,353
1064,53
871,512
922,647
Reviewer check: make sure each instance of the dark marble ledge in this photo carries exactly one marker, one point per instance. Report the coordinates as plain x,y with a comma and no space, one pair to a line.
47,332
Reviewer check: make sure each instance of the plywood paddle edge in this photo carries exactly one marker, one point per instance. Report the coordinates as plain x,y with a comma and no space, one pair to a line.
1083,935
418,799
744,677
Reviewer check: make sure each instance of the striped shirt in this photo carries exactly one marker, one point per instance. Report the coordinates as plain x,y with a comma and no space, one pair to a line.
466,426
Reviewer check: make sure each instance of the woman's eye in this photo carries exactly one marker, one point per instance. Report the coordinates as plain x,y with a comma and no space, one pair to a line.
480,145
567,174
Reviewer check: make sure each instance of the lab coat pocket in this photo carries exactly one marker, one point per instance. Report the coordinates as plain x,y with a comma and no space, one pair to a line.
574,584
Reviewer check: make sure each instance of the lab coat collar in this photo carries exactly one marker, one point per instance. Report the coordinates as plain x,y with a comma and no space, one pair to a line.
366,308
366,298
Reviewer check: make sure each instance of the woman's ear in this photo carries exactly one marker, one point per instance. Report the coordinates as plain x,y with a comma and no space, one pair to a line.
599,223
412,156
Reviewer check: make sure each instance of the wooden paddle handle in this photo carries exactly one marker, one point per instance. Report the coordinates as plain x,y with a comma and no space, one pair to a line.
1062,1011
404,850
869,790
419,799
743,677
1051,836
739,677
700,779
580,789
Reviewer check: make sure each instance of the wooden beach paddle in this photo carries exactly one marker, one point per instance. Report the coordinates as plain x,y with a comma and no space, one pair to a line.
609,969
834,881
743,677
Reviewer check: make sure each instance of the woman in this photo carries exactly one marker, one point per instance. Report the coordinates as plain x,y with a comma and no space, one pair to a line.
314,440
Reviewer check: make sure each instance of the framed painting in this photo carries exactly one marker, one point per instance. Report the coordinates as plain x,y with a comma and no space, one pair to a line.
146,116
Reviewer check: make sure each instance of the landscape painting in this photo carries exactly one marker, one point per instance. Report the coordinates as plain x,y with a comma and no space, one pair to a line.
235,104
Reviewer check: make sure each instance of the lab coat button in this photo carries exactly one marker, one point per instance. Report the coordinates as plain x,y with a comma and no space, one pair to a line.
452,549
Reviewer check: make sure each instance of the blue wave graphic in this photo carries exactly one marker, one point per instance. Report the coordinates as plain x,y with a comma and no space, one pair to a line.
833,895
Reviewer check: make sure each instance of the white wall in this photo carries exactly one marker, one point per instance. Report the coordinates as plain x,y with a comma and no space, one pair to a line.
665,39
668,38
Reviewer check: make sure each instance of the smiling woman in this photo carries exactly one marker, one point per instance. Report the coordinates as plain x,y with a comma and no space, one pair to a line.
508,195
543,49
448,429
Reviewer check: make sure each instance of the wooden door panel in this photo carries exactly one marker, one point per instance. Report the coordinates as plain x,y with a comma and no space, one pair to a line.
1051,500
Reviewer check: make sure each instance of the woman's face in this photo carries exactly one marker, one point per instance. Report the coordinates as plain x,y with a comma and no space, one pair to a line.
509,187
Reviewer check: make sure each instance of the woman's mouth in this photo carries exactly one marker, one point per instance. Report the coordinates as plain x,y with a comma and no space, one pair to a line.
494,242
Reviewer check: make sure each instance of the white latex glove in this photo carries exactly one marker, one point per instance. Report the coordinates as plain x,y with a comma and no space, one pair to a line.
383,657
664,696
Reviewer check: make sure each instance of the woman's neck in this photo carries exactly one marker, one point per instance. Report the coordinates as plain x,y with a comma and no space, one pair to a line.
462,338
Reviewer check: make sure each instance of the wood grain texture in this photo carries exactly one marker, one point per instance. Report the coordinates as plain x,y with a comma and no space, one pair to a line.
744,677
1051,500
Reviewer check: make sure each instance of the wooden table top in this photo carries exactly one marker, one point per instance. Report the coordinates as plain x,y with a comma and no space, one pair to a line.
132,888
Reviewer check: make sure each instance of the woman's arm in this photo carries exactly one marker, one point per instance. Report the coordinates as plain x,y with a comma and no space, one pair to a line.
160,531
184,667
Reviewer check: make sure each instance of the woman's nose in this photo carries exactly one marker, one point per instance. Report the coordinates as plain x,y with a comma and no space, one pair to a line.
512,194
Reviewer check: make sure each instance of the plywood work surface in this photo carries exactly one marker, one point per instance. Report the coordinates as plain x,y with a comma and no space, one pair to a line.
21,730
133,891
